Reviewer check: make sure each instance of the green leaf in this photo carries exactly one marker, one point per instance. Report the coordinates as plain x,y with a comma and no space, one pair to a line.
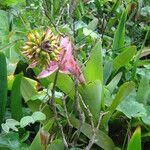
123,92
38,116
27,120
94,68
91,33
93,24
4,26
124,57
11,123
143,91
127,108
114,82
64,83
135,141
3,86
118,42
108,67
16,98
5,127
56,145
146,119
92,96
28,88
102,139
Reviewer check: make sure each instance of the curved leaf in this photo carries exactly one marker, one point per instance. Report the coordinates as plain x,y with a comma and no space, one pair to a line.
16,99
92,96
123,92
119,36
135,141
3,86
124,57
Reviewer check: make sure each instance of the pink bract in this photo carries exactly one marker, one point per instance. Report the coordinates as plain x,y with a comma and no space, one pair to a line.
66,62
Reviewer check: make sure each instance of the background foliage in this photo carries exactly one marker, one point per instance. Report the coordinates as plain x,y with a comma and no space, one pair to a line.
112,45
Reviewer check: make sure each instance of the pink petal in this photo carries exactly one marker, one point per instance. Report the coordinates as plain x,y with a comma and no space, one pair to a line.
71,67
64,41
68,64
66,51
52,68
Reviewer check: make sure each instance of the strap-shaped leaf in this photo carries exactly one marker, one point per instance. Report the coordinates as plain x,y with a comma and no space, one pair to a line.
16,101
94,68
135,141
118,42
124,57
3,86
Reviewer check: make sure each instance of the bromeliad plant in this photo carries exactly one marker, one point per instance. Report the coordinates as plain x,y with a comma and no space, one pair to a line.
52,53
72,106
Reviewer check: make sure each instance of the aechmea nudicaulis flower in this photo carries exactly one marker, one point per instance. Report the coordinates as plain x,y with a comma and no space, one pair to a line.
51,53
40,48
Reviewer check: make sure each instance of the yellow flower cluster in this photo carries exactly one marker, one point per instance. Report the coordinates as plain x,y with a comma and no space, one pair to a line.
41,48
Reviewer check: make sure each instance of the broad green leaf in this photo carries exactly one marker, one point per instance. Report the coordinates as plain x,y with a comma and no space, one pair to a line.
27,120
127,108
114,82
135,141
92,96
3,86
38,116
36,144
94,67
146,119
102,139
143,91
28,88
118,42
124,57
16,98
64,83
123,92
56,145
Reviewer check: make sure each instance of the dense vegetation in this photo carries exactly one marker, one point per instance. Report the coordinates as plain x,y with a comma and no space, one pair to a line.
74,74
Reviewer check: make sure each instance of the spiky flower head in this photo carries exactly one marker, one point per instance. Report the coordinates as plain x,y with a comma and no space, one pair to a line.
41,48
